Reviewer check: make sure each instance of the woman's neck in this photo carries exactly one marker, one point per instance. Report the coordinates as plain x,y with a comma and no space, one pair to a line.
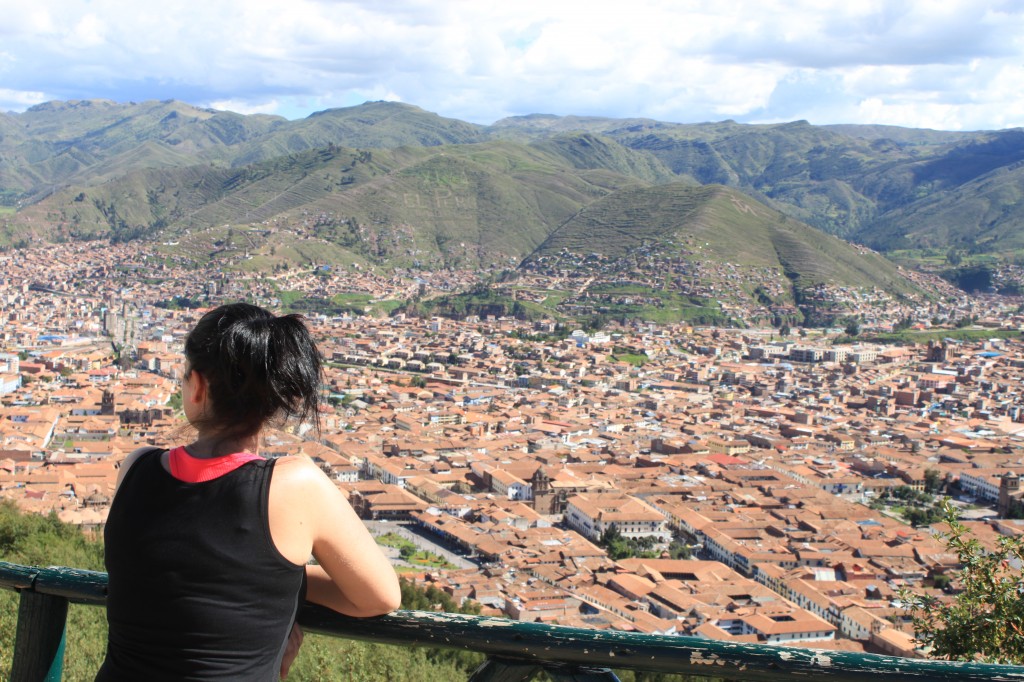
215,445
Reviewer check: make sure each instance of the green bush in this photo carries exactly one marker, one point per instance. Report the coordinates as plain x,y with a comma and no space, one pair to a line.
985,620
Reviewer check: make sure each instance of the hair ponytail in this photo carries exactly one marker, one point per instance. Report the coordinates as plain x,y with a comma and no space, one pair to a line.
260,368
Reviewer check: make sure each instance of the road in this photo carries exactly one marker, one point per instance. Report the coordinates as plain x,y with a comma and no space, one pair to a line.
423,541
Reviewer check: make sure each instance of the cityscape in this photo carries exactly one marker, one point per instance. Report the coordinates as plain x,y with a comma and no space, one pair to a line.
663,342
738,484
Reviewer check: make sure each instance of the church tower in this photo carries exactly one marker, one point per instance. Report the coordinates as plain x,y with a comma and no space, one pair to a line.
543,499
107,403
1009,493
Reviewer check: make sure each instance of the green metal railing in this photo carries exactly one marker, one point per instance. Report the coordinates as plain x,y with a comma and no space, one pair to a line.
516,651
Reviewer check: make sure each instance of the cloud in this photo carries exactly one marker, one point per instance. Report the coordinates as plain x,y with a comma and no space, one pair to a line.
244,107
882,33
17,100
949,62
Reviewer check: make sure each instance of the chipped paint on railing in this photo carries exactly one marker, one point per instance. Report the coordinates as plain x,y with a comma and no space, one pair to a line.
551,646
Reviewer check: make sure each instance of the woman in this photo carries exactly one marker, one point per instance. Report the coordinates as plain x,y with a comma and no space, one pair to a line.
207,544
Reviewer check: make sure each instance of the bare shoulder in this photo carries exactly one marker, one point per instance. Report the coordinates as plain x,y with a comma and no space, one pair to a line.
131,459
296,465
298,470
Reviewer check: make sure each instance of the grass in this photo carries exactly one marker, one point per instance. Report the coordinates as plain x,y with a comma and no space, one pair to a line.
632,358
939,334
674,307
937,258
554,298
351,299
429,560
354,303
394,540
412,555
289,298
8,210
385,308
621,289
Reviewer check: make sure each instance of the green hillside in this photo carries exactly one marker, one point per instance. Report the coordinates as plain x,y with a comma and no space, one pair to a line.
90,141
860,182
387,124
455,205
804,170
586,150
493,204
886,186
901,135
984,215
718,224
542,126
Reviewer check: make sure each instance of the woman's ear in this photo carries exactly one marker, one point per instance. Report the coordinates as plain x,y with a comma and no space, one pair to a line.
198,388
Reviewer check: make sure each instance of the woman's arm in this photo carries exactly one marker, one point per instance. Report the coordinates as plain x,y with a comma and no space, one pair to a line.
353,577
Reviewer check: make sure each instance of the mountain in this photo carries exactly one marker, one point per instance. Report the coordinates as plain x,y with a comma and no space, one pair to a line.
388,124
865,183
807,171
713,223
469,205
89,141
453,205
842,179
885,186
85,142
982,215
586,150
539,126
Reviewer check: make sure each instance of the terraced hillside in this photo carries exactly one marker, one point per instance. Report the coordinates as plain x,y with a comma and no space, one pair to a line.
455,205
718,224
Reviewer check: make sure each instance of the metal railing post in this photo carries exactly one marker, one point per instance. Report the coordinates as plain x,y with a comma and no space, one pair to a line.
39,642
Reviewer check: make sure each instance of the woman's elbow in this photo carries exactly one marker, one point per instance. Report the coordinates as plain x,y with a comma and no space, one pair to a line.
383,600
391,598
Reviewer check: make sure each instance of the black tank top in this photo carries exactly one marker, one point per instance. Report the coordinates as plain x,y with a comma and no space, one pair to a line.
198,591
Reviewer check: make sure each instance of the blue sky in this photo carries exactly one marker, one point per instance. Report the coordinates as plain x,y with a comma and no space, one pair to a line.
944,64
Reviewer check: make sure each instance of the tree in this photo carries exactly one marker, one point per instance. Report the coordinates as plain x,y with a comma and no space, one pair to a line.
620,547
679,550
853,328
985,620
904,324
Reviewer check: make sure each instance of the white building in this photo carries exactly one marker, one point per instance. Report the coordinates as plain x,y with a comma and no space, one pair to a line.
591,514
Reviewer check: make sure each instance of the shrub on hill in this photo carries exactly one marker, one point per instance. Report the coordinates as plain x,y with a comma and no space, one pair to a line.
985,620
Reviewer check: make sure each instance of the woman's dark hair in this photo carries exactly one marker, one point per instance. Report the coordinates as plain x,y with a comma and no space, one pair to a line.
259,368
